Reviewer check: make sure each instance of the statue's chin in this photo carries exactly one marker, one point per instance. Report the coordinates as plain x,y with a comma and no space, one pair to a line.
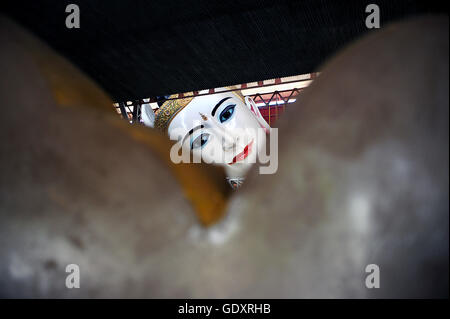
237,169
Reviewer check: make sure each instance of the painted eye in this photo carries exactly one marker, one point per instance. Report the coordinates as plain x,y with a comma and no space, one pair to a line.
200,141
227,113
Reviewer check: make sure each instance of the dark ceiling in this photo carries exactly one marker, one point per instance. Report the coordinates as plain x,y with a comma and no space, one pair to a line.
137,49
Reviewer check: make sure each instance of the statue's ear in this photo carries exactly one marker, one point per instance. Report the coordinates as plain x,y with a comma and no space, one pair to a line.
147,115
255,110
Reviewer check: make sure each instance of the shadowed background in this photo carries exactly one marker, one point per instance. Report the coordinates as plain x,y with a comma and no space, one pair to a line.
140,49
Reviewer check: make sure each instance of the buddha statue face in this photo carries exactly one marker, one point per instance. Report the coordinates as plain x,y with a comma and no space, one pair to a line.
222,128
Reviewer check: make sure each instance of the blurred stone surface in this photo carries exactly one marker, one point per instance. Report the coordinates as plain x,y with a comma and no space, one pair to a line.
75,188
363,174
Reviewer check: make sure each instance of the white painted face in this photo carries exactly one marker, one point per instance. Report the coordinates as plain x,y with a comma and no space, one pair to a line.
221,129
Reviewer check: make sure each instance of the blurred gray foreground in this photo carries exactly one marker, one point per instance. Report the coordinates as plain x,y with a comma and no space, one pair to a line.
362,179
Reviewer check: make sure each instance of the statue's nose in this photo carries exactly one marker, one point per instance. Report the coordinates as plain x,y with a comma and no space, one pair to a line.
229,141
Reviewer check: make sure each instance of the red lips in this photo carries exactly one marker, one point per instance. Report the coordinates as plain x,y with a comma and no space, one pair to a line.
242,155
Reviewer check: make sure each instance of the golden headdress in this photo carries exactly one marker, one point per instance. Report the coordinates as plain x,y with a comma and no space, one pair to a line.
169,109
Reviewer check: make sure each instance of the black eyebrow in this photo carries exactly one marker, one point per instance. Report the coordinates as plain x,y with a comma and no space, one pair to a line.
191,131
218,104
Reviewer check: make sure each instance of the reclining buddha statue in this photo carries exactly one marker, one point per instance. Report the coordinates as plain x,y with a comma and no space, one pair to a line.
223,128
